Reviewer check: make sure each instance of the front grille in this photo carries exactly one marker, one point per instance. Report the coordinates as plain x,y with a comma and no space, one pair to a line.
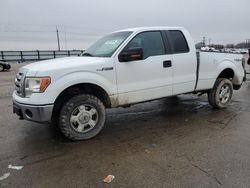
19,84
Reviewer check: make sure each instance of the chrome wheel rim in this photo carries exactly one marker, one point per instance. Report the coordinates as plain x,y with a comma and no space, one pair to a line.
84,118
224,94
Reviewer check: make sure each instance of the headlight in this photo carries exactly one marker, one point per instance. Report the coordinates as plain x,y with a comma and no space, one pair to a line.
36,85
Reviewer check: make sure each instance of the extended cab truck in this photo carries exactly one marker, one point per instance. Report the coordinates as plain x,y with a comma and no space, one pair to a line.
123,68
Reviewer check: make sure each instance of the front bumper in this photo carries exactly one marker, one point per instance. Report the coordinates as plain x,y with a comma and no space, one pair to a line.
40,114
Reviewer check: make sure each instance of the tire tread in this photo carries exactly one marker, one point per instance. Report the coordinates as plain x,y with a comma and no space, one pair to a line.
64,115
212,93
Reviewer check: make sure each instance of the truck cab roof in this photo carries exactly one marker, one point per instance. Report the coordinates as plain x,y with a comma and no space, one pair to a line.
139,29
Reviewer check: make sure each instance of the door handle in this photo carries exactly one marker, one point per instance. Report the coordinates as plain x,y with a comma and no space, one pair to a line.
167,64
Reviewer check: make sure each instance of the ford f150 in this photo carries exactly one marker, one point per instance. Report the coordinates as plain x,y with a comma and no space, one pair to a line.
123,68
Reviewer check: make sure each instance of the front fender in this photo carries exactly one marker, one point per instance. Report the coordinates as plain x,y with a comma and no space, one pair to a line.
81,77
59,85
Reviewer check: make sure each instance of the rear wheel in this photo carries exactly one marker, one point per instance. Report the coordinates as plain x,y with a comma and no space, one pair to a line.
82,117
221,94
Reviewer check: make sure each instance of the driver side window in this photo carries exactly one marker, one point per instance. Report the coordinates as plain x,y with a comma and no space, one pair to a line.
151,42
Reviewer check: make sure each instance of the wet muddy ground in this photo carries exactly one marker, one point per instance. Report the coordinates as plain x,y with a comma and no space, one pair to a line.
174,142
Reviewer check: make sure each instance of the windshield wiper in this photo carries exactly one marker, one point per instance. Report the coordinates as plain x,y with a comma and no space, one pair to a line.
87,54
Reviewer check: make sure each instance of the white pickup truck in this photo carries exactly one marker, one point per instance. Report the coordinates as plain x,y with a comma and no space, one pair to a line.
123,68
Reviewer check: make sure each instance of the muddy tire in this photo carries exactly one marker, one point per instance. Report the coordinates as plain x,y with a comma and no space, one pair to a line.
221,94
82,117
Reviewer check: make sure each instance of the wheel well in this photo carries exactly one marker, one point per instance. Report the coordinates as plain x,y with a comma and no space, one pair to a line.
86,88
227,73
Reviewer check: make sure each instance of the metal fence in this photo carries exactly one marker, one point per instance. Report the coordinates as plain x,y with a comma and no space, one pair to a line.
36,55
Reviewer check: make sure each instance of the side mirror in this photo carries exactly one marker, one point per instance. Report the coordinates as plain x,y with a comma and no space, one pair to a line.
131,54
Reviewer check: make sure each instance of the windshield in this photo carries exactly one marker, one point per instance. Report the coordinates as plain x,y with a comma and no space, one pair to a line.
106,46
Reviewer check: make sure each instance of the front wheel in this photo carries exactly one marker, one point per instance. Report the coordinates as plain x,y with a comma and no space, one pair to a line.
82,117
221,94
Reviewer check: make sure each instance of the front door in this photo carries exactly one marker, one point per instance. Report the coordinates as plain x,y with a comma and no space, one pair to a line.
149,78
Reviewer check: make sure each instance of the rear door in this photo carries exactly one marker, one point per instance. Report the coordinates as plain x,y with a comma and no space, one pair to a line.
184,62
149,78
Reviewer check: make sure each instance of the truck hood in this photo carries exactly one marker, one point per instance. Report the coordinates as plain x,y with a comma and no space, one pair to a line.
67,63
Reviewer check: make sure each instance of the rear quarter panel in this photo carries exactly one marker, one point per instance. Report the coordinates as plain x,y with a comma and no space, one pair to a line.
213,63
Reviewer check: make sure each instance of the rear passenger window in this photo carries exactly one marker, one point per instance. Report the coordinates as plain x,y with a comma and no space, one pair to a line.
179,42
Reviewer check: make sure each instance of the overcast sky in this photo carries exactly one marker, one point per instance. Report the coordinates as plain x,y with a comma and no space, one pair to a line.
31,24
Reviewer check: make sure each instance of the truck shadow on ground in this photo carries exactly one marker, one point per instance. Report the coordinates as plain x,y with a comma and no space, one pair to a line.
157,116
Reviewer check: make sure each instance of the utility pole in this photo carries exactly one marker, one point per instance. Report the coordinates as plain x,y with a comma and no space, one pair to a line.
58,39
247,45
65,38
204,41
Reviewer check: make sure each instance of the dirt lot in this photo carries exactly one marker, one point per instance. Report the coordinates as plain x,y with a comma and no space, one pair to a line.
175,142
